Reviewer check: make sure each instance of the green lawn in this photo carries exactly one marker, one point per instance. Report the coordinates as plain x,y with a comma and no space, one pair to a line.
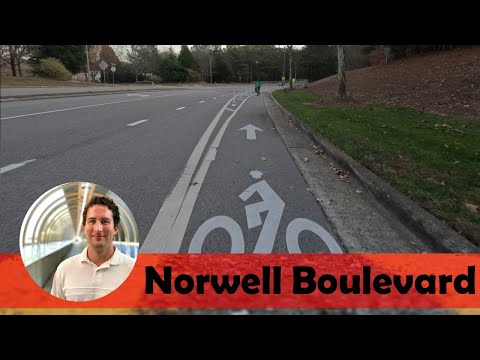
433,159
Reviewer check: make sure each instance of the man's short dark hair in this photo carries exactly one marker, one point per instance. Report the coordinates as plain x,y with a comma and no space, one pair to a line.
105,201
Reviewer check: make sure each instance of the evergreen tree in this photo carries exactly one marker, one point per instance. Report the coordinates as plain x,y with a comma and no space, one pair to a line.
185,58
73,57
170,70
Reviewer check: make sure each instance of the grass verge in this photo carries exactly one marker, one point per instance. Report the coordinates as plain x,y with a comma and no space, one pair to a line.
433,159
19,81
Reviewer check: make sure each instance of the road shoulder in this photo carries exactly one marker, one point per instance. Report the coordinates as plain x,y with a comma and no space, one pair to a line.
368,214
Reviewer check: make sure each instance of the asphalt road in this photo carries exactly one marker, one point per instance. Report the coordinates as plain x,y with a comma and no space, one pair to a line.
212,169
139,146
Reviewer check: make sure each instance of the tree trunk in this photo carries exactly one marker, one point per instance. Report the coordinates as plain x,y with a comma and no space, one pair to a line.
342,82
19,67
12,60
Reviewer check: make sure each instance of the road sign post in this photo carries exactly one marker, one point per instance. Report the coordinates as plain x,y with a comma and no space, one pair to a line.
112,69
103,65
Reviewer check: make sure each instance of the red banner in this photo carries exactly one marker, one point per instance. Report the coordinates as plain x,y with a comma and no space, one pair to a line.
270,281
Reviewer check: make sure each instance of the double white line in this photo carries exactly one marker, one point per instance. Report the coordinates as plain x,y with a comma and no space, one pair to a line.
168,229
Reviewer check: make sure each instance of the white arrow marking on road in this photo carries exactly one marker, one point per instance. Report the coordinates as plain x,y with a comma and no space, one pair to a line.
201,101
14,166
230,109
138,122
251,135
180,108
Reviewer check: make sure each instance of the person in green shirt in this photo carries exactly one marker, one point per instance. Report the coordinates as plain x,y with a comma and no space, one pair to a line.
258,85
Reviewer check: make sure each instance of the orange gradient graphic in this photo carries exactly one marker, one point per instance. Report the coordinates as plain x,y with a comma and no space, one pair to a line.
19,291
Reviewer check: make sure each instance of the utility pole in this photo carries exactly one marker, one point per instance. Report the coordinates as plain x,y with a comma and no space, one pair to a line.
88,64
342,82
283,75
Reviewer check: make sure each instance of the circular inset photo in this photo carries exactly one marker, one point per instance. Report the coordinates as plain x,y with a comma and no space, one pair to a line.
79,241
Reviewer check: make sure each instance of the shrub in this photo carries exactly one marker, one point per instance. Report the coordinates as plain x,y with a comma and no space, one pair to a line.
52,68
156,79
193,76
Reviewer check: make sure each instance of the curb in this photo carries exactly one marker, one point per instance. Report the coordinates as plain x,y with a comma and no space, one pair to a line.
53,95
73,94
430,229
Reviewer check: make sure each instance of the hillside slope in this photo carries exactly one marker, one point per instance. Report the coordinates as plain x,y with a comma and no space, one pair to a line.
446,82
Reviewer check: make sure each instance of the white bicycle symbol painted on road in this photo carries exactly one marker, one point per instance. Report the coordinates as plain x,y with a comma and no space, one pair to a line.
274,205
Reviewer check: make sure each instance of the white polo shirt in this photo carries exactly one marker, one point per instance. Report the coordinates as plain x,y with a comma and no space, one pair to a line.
79,279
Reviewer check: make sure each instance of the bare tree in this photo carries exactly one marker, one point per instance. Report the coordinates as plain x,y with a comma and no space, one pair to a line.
143,58
15,56
120,51
108,54
94,60
342,82
203,55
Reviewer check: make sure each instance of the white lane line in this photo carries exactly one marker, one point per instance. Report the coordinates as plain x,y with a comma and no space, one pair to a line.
201,101
86,106
157,238
137,122
141,95
175,238
181,108
14,166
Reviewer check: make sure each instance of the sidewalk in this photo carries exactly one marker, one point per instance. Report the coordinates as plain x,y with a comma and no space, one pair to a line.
41,92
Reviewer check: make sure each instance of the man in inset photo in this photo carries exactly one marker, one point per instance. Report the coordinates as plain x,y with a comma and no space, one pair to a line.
101,267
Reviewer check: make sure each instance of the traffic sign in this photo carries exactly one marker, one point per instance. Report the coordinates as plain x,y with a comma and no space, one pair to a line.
113,68
103,65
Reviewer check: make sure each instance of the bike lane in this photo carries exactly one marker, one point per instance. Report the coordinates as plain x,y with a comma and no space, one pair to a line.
251,197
